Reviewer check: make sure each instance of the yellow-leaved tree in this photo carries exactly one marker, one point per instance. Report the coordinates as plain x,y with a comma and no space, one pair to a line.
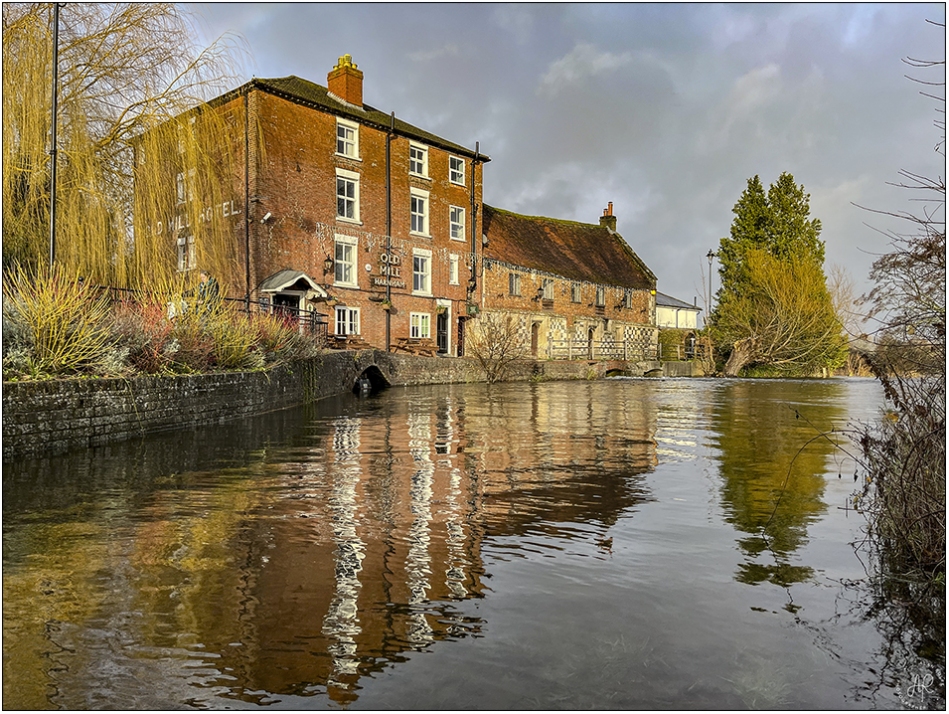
132,82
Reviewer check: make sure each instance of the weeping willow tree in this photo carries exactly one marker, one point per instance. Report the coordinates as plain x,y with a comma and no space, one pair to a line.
136,153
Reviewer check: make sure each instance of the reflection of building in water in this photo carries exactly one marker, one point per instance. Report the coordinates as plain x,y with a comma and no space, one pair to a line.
563,455
361,541
418,564
341,623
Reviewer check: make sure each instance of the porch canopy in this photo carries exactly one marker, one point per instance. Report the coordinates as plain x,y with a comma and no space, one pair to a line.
293,281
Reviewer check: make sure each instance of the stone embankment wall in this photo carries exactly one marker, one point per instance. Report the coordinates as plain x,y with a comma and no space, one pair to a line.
57,416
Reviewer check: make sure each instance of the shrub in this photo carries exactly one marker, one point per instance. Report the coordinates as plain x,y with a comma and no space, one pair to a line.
143,329
233,339
497,344
279,341
58,320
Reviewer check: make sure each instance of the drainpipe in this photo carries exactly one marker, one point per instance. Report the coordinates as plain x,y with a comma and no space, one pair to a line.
389,137
474,225
247,201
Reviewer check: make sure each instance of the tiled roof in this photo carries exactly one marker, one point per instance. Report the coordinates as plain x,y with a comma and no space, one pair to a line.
577,251
669,301
303,91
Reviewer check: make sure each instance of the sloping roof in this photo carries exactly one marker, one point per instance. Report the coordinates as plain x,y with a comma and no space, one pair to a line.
303,91
576,251
669,301
287,279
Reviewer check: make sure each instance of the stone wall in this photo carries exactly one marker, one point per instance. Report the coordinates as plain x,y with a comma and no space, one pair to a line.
57,416
62,415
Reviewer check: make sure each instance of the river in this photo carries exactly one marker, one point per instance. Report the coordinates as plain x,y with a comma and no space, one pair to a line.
620,543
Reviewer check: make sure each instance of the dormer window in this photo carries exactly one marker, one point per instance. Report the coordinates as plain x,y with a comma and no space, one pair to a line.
418,160
347,138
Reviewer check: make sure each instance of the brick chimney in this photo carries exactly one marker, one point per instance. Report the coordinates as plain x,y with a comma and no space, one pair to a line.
345,81
608,220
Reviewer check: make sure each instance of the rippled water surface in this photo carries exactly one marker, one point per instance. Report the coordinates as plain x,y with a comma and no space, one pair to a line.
607,544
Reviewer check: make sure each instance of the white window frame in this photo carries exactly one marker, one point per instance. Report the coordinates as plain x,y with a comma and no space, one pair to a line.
600,300
420,325
547,285
628,299
514,284
421,279
345,255
353,178
453,262
184,186
421,196
456,220
186,257
348,143
456,170
423,160
576,293
347,318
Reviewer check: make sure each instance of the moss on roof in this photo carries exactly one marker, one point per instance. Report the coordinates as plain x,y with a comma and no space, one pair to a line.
303,91
583,252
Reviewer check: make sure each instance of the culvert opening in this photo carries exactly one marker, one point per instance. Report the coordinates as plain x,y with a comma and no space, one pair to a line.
371,381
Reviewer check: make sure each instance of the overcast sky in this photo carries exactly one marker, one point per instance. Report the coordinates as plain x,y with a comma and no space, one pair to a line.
664,109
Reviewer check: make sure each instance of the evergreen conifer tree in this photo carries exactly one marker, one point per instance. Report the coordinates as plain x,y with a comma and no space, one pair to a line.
751,326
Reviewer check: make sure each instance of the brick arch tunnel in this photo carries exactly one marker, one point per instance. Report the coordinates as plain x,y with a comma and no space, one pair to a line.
370,381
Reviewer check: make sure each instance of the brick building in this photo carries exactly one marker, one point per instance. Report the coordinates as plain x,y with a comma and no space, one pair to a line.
349,212
339,209
576,290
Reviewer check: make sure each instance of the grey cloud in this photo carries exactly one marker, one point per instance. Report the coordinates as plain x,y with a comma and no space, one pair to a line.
664,109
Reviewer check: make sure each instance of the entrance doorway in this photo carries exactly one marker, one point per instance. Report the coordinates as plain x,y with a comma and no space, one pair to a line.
286,305
441,332
535,337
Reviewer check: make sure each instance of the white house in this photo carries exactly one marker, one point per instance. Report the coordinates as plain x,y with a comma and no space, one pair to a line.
674,313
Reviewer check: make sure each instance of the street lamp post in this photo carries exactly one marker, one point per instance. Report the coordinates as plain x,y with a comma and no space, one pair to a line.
711,255
53,140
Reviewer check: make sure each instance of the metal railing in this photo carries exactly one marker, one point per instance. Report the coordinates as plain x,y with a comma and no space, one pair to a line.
314,324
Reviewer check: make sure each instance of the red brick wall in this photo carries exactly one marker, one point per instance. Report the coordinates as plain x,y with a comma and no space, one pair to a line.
293,177
497,297
562,318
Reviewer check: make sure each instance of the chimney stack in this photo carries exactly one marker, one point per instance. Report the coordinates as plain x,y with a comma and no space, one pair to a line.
345,81
608,220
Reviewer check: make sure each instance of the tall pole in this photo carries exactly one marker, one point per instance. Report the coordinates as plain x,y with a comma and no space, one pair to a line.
52,150
708,308
390,136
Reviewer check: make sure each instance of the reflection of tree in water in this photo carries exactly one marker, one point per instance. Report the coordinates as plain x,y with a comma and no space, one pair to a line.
773,468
